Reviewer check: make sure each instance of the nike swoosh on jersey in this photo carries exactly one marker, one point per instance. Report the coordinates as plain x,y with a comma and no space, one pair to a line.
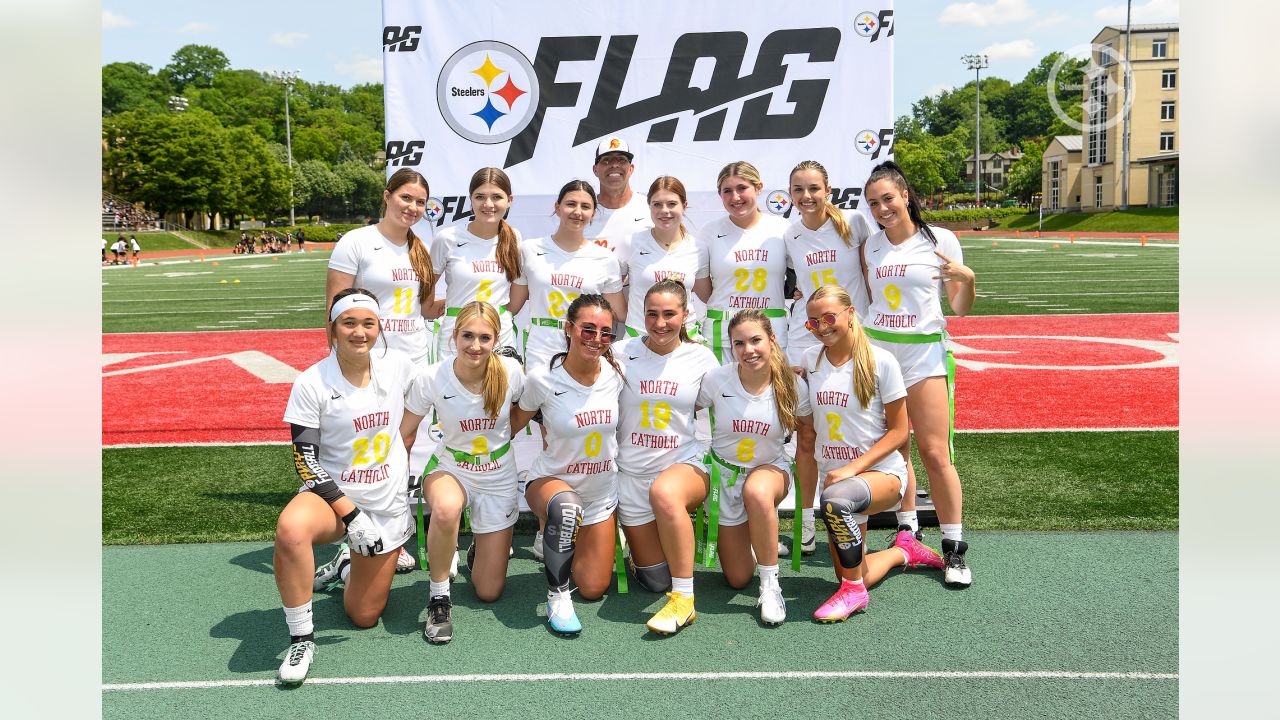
797,237
876,250
645,252
633,357
377,247
462,243
720,236
638,219
335,396
723,395
449,397
560,392
539,254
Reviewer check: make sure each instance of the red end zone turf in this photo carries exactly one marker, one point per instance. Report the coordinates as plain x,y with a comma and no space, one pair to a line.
1013,373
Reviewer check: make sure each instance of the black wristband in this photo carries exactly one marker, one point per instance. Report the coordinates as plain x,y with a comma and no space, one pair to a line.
346,519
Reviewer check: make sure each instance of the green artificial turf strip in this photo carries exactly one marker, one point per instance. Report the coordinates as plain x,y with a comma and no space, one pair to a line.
1137,220
1012,481
152,241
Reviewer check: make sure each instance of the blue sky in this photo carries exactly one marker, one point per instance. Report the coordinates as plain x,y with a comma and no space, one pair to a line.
339,41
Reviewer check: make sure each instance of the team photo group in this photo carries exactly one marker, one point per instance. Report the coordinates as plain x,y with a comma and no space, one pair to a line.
667,368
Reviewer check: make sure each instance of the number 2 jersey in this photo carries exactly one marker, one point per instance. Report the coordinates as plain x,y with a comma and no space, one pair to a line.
383,268
581,424
845,429
745,429
556,278
360,445
904,296
467,427
469,266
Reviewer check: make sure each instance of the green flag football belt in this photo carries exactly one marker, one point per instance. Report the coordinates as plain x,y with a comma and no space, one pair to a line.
925,339
718,318
461,458
707,520
453,311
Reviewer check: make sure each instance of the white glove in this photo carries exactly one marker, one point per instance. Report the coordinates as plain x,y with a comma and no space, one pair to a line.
362,535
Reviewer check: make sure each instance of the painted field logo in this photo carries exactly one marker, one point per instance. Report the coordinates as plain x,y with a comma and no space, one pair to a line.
487,92
778,202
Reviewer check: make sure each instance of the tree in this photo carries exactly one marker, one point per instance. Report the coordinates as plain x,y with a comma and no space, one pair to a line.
1023,178
319,190
171,162
194,65
131,86
922,163
261,181
365,196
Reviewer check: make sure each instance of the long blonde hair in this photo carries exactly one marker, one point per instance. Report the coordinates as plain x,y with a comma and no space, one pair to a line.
864,361
495,374
781,377
419,257
836,217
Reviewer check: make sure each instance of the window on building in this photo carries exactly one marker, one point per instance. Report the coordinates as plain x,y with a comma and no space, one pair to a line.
1053,185
1106,56
1159,47
1166,142
1097,104
1166,110
1097,191
1168,79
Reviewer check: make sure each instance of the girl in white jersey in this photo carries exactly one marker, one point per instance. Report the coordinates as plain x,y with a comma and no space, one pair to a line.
859,412
822,249
479,260
392,261
748,258
755,403
665,252
574,490
661,464
907,266
473,467
558,268
344,411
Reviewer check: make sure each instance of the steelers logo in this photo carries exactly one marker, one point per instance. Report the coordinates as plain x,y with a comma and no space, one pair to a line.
435,209
778,202
866,142
487,92
866,24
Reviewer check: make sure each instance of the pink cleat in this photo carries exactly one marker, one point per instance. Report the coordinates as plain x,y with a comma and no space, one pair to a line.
848,600
918,554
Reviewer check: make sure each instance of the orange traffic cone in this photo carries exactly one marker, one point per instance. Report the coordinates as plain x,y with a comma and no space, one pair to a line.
1073,238
1144,241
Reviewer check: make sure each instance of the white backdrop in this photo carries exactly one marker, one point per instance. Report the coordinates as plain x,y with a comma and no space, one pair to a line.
533,87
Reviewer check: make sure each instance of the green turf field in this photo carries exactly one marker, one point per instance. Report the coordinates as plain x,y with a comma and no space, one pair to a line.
153,241
1136,220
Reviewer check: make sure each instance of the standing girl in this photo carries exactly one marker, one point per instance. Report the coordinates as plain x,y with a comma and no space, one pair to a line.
575,488
908,266
344,411
755,403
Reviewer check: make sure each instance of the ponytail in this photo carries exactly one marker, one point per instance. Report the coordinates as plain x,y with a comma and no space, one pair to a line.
419,257
495,373
837,218
889,170
508,254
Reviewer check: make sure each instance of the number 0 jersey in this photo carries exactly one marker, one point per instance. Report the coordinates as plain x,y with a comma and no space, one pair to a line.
466,425
581,424
657,403
744,428
470,269
904,296
360,445
555,278
845,429
383,268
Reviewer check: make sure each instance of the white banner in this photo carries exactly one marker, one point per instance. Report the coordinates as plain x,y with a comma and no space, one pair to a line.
533,87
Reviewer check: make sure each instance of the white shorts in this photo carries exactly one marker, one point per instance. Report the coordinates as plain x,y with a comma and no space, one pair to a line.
394,529
918,361
634,507
598,502
491,512
732,510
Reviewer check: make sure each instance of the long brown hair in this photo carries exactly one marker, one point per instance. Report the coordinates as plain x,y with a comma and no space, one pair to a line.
508,253
419,257
781,377
571,318
864,362
837,218
495,373
889,170
672,185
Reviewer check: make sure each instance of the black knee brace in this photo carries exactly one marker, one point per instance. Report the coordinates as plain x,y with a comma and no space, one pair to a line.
564,516
654,578
842,506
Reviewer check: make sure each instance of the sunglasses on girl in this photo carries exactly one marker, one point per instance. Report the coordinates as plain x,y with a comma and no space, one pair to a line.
824,319
604,335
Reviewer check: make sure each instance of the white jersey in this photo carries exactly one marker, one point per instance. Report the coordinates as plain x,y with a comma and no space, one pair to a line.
470,270
555,279
657,403
360,445
845,429
609,226
819,257
134,242
466,425
644,263
383,267
581,424
904,296
745,429
748,268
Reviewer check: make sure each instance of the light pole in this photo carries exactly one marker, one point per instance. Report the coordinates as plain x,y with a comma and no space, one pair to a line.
177,103
976,63
288,78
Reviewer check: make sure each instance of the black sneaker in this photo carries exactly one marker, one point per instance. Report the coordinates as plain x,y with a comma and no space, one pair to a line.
439,627
956,573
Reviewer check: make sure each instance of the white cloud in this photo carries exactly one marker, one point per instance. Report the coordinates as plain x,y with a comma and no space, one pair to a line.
111,20
997,12
288,39
1152,11
195,27
1015,50
936,90
362,69
1048,22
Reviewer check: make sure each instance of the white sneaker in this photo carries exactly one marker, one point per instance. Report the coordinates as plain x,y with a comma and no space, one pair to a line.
773,609
537,545
297,662
453,566
783,550
331,572
405,562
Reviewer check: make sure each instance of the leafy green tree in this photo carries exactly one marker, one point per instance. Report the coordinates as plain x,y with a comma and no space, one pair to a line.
194,65
131,86
365,197
319,190
1023,178
171,162
244,98
261,181
921,162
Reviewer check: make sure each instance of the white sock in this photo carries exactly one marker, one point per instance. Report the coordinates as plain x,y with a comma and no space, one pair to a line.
439,588
952,531
299,619
768,575
346,570
684,586
855,584
908,518
807,519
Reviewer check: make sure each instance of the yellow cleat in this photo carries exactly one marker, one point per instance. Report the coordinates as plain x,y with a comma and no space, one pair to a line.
677,613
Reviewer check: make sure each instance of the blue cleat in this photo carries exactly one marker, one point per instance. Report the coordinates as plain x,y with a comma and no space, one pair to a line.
560,615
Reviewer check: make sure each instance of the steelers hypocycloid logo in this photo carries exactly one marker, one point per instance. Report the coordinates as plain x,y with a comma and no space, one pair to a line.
487,92
866,141
778,202
866,24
